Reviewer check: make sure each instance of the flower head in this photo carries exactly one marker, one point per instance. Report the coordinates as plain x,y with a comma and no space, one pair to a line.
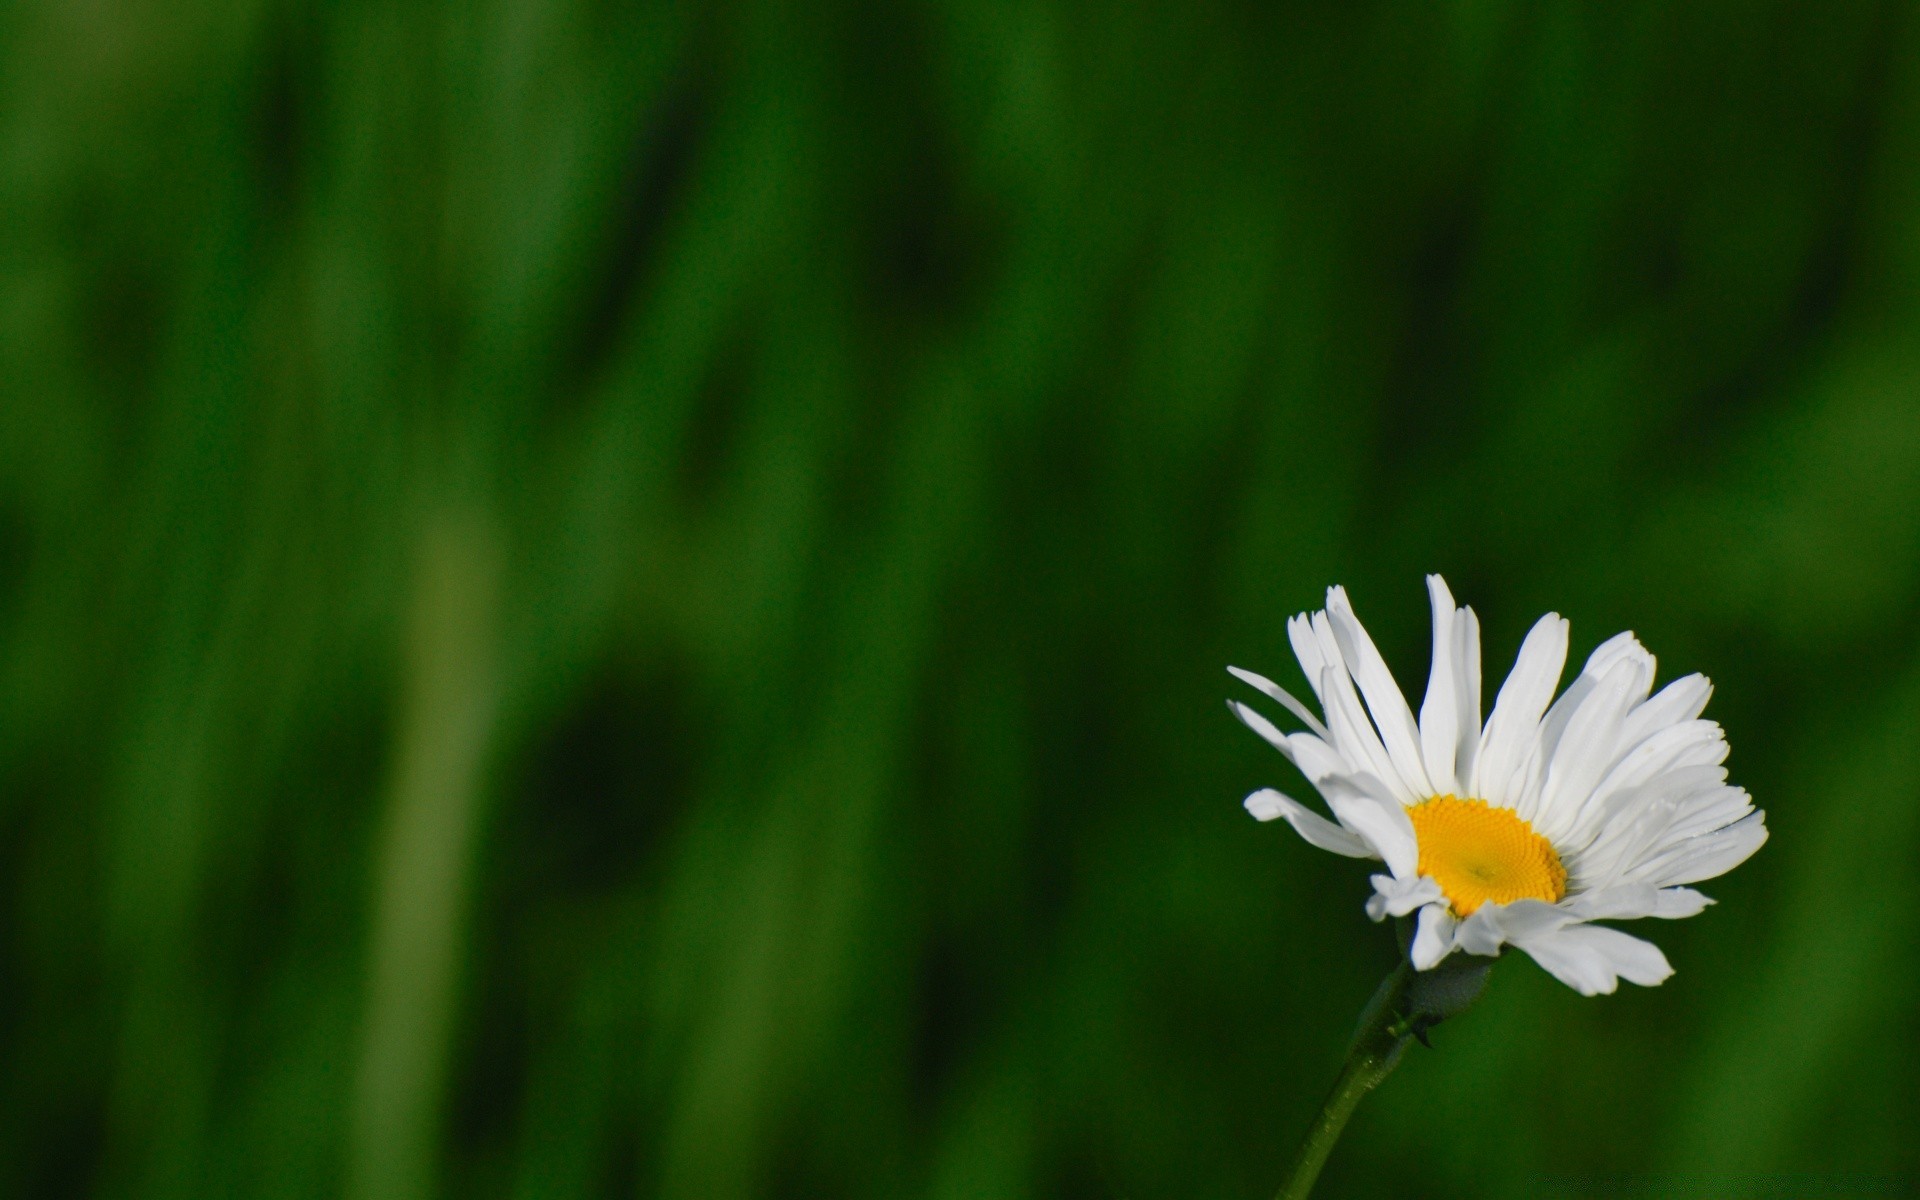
1554,813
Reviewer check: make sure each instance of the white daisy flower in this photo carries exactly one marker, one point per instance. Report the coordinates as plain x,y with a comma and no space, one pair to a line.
1596,806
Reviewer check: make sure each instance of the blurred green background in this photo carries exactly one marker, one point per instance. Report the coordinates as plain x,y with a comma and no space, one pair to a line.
631,601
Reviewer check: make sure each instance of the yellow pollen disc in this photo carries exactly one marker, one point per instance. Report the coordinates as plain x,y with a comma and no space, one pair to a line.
1478,854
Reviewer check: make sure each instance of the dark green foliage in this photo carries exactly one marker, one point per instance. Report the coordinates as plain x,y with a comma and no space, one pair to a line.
611,601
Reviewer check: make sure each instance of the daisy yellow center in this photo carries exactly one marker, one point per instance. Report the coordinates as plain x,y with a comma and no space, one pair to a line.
1479,854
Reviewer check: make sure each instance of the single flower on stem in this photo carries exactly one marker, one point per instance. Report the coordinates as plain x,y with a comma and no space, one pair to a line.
1524,830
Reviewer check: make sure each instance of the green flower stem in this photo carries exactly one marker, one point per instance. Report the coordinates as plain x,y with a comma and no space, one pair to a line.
1405,1005
1385,1028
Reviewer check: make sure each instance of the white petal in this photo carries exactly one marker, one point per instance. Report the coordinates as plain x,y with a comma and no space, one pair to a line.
1574,963
1634,830
1641,830
1705,856
1398,897
1678,903
1316,760
1636,960
1267,804
1672,748
1385,701
1306,648
1708,810
1618,648
1440,711
1682,700
1319,762
1526,918
1364,805
1354,736
1589,746
1480,933
1276,692
1633,901
1466,657
1260,725
1621,647
1493,925
1432,938
1513,729
1592,959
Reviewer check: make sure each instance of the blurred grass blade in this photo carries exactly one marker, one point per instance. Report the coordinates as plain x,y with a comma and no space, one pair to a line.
423,863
